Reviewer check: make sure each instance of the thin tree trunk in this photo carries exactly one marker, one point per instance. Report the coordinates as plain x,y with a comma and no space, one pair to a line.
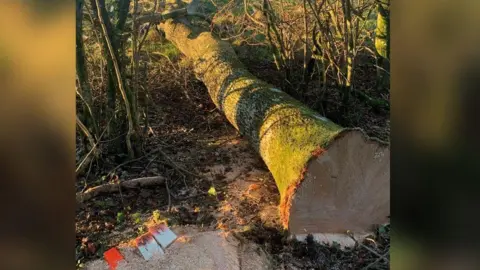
280,52
82,74
111,87
113,56
349,51
123,8
135,60
305,45
317,44
382,44
92,151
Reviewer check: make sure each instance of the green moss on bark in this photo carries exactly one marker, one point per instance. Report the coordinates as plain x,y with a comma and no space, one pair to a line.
284,131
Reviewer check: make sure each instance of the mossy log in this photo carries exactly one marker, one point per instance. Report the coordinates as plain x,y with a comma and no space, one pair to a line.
330,179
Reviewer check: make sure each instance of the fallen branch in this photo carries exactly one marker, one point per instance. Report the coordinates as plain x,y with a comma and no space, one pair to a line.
245,7
85,131
156,18
190,10
80,166
168,193
114,187
373,263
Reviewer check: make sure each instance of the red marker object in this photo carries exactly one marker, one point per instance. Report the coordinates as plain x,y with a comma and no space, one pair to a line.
113,257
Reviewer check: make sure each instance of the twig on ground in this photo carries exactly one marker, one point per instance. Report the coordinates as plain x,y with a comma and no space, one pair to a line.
150,162
228,140
116,181
90,138
85,186
349,233
169,60
79,167
127,162
176,166
168,193
184,181
114,187
373,263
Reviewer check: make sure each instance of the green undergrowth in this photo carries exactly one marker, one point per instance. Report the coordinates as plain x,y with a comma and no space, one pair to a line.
257,53
166,48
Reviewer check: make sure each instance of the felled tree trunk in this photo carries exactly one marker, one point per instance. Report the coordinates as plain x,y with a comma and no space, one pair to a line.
330,179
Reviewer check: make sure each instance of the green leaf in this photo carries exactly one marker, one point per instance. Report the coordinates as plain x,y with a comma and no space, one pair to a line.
212,192
101,204
136,218
156,215
120,217
260,37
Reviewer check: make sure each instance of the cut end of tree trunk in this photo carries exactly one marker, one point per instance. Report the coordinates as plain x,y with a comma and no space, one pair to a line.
345,187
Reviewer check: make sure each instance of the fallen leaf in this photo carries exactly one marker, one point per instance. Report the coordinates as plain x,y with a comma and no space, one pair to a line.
156,215
91,248
226,208
222,226
241,221
212,191
253,187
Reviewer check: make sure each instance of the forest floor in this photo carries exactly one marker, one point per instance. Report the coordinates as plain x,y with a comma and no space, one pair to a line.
215,179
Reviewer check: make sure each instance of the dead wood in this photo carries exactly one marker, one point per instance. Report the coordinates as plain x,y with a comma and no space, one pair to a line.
115,187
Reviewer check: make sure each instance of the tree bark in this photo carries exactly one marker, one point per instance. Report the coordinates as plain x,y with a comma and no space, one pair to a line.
82,74
330,179
114,187
347,15
382,43
112,51
111,87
